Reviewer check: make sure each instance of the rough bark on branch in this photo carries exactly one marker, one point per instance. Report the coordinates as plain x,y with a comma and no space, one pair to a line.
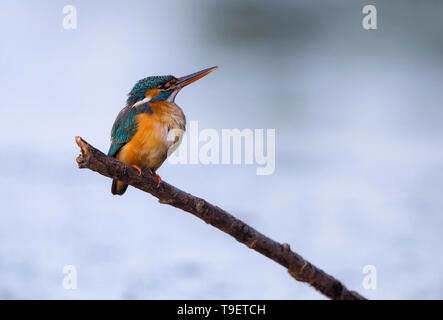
297,267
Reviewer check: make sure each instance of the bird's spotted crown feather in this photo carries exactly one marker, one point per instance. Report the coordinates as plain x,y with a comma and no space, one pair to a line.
138,92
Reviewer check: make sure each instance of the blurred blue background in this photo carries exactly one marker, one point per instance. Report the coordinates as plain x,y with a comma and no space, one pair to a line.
358,121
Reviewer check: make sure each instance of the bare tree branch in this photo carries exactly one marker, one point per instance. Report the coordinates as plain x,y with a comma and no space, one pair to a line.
297,267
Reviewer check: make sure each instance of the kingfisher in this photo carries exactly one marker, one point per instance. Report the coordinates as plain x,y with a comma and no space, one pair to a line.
151,125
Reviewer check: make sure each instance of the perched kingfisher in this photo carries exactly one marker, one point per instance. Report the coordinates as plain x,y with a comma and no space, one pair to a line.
141,134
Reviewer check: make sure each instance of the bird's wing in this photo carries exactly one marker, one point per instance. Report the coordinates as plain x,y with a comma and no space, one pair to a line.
123,129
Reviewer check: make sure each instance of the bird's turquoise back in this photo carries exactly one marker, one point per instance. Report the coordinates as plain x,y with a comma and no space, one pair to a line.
123,129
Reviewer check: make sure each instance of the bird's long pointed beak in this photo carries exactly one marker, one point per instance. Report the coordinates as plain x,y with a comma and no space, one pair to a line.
184,81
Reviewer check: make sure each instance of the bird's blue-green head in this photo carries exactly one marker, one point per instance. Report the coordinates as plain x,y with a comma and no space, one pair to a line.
162,87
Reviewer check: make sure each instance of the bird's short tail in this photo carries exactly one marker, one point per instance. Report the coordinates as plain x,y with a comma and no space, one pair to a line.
118,187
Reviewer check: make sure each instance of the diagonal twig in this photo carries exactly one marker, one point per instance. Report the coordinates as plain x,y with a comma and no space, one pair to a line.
299,268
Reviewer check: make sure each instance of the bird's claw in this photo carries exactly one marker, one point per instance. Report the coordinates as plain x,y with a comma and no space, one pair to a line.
138,169
159,180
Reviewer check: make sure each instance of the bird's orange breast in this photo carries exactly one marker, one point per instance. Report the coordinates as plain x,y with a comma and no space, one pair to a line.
149,146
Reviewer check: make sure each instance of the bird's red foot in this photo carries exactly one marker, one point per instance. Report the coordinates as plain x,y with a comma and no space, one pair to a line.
138,169
159,180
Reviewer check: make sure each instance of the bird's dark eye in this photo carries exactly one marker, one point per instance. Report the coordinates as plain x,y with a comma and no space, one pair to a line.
159,86
170,83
